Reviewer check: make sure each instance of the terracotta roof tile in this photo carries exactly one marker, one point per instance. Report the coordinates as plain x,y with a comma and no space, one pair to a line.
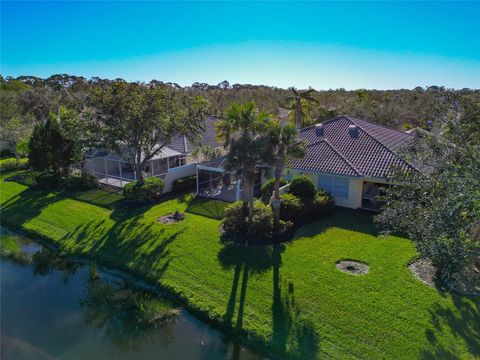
352,147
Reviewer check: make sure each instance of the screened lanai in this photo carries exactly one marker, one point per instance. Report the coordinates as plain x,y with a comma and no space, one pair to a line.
111,169
214,182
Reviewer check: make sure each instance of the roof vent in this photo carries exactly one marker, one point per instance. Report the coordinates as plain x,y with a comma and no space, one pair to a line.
319,129
353,130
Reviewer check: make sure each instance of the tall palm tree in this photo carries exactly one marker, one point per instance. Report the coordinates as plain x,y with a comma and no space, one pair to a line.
243,132
296,102
287,145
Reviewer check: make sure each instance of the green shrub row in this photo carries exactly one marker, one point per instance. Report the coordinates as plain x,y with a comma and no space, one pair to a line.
12,164
293,209
267,189
151,190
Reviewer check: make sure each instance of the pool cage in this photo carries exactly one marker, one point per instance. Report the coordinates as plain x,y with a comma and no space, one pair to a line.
214,182
111,169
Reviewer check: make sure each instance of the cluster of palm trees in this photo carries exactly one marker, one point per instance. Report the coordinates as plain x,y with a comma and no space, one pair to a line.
254,139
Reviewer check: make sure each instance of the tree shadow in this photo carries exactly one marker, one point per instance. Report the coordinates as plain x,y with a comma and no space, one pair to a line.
246,261
25,206
463,322
292,334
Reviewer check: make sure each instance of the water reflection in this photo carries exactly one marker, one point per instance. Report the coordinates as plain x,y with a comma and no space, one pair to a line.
53,308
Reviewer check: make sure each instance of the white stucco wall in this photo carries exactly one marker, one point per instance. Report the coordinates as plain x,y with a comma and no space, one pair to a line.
355,185
177,173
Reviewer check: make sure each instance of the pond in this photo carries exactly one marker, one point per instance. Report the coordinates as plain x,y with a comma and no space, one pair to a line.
52,308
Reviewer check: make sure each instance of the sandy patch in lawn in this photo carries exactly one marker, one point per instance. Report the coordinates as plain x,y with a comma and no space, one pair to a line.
352,267
172,218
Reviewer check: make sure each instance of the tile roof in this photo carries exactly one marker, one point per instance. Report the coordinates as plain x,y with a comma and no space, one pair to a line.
352,147
181,144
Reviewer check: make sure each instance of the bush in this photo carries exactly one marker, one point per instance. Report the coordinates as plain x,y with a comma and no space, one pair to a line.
150,191
184,184
261,228
235,221
290,207
321,206
81,183
293,209
12,164
302,187
267,189
236,225
48,181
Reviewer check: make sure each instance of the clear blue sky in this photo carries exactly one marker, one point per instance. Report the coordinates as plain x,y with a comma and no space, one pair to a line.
324,45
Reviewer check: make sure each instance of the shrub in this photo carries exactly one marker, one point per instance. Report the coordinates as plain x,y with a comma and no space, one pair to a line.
290,207
48,181
259,230
295,210
13,164
235,221
321,206
267,189
83,182
236,225
301,186
184,184
150,191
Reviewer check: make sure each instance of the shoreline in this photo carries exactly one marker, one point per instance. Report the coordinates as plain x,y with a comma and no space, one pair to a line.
145,284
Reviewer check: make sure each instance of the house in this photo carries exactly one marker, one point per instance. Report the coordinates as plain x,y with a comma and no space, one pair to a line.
351,159
174,161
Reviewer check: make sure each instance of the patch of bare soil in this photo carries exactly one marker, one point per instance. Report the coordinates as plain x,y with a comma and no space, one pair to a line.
172,218
424,271
352,267
466,282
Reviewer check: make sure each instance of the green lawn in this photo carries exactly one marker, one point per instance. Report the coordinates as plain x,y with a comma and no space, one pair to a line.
290,298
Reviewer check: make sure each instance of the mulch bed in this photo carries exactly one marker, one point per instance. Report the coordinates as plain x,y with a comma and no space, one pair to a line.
172,218
467,282
352,267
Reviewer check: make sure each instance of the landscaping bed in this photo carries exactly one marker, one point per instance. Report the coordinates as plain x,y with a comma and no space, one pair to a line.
288,299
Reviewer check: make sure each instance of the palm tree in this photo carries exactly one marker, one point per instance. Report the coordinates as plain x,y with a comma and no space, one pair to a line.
297,101
284,139
243,132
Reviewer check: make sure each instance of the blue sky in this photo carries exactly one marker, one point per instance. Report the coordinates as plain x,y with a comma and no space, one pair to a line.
381,45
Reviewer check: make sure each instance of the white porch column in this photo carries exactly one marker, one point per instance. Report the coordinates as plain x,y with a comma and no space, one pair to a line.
120,169
237,195
105,168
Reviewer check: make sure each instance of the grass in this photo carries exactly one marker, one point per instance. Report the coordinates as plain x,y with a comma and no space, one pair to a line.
289,298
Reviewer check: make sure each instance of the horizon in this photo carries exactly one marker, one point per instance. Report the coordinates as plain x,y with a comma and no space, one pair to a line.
326,46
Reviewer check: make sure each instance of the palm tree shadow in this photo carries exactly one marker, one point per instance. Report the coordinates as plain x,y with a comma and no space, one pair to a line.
290,330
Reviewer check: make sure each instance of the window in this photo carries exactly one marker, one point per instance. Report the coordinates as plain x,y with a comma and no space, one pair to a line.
336,186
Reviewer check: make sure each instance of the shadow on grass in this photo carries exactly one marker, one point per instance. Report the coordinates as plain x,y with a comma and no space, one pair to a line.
292,334
25,206
207,207
463,322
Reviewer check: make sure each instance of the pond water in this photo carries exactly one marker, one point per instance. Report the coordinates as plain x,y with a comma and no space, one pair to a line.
50,309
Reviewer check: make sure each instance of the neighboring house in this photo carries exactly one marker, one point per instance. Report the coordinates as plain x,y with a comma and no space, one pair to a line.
174,160
351,159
